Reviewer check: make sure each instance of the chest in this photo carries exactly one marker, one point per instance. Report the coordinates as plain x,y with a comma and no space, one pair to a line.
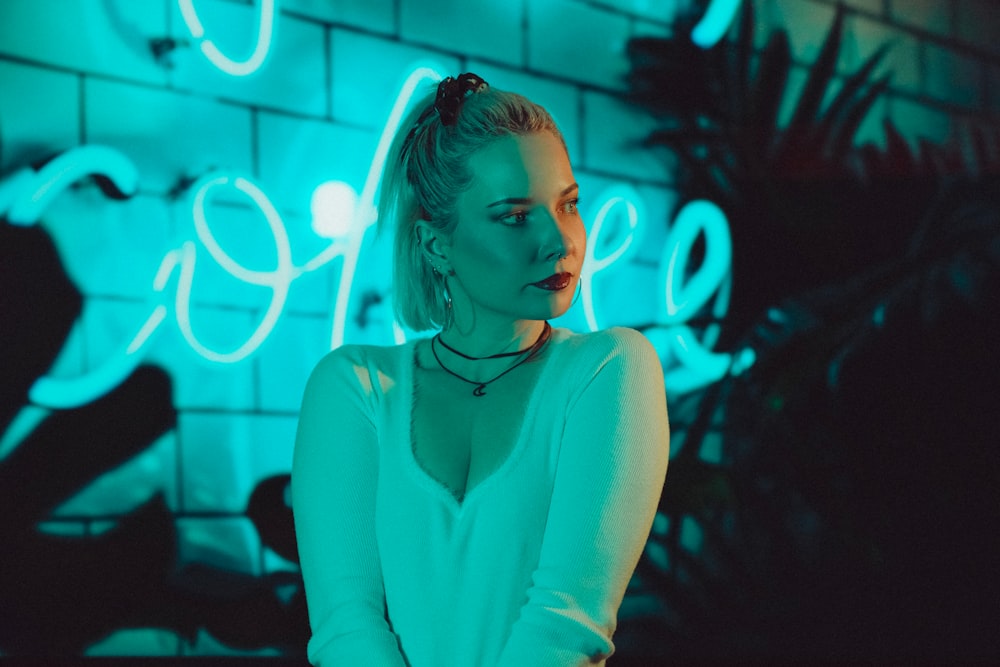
459,439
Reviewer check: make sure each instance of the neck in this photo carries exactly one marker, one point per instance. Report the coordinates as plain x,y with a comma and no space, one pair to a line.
483,341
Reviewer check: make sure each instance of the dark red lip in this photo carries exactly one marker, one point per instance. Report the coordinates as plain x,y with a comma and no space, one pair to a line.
555,282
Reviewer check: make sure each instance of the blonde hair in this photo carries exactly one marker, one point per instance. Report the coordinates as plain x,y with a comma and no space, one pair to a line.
425,172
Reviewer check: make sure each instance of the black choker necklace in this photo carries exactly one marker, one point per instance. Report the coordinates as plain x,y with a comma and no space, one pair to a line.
480,389
501,355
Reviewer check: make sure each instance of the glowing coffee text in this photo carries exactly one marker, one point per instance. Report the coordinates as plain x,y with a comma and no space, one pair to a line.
344,216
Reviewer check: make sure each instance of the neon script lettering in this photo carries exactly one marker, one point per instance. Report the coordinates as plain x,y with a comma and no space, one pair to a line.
345,216
707,32
265,37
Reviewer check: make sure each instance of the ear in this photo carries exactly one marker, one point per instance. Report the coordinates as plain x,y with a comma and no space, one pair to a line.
434,245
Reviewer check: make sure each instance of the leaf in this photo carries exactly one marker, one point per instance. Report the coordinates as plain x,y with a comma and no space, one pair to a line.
844,138
817,83
897,157
772,76
744,51
847,97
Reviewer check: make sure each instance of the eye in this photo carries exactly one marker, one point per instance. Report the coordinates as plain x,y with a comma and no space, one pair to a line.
515,218
570,206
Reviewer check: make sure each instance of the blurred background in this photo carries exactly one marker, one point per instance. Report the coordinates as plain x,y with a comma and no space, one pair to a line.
797,202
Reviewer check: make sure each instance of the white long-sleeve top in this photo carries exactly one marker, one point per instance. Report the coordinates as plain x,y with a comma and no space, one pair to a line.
530,568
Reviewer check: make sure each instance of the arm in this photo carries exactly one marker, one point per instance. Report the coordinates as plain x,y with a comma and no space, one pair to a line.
610,474
334,477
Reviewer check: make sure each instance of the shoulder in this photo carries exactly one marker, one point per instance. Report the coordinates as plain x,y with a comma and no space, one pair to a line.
613,367
334,363
354,365
617,356
609,343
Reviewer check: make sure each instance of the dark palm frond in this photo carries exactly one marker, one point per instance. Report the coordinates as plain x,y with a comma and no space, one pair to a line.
766,95
817,84
740,64
865,279
846,100
841,137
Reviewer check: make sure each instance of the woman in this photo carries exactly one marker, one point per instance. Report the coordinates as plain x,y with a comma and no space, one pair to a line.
480,497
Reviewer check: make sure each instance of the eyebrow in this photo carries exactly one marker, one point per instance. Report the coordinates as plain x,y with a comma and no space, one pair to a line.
527,200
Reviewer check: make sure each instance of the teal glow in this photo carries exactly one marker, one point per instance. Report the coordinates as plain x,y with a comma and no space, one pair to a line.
333,205
329,223
24,196
26,193
715,22
366,213
265,36
12,188
698,365
278,280
21,426
66,393
621,198
686,295
344,217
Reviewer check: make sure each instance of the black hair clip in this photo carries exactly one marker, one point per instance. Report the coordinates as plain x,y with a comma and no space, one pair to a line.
453,91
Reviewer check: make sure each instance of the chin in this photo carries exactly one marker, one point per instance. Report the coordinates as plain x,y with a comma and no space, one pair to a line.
560,309
559,304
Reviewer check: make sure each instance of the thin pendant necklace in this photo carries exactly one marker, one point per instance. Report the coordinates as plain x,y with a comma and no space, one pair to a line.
480,389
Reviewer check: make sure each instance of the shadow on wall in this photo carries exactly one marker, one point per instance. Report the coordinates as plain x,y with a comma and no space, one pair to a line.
60,594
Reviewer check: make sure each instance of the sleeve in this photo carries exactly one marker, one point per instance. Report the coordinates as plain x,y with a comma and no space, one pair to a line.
611,468
334,477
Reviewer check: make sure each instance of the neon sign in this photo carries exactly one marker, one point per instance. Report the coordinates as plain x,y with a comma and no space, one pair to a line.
686,296
617,198
265,36
709,30
715,22
344,216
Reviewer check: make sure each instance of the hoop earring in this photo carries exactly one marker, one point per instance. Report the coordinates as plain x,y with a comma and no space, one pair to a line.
449,314
579,291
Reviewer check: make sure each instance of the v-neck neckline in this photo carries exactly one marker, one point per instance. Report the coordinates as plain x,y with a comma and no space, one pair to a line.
426,479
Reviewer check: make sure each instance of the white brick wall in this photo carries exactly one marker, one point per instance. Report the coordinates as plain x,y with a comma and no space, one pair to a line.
368,15
953,77
489,29
863,36
806,21
612,133
166,133
576,41
368,72
293,78
931,15
87,36
226,455
39,112
298,154
978,23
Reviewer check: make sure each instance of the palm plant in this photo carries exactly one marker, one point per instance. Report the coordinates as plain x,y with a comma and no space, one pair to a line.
854,513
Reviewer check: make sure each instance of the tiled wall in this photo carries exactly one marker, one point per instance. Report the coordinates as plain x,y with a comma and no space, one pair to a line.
76,72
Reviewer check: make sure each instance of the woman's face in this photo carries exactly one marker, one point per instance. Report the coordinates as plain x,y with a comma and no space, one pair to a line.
518,243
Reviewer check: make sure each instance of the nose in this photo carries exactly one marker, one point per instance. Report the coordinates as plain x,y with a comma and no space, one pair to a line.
556,251
557,243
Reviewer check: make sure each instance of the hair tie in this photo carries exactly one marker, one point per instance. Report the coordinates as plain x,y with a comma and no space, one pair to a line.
452,92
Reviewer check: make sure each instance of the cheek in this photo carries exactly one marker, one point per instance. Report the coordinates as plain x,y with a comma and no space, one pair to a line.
484,255
579,236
